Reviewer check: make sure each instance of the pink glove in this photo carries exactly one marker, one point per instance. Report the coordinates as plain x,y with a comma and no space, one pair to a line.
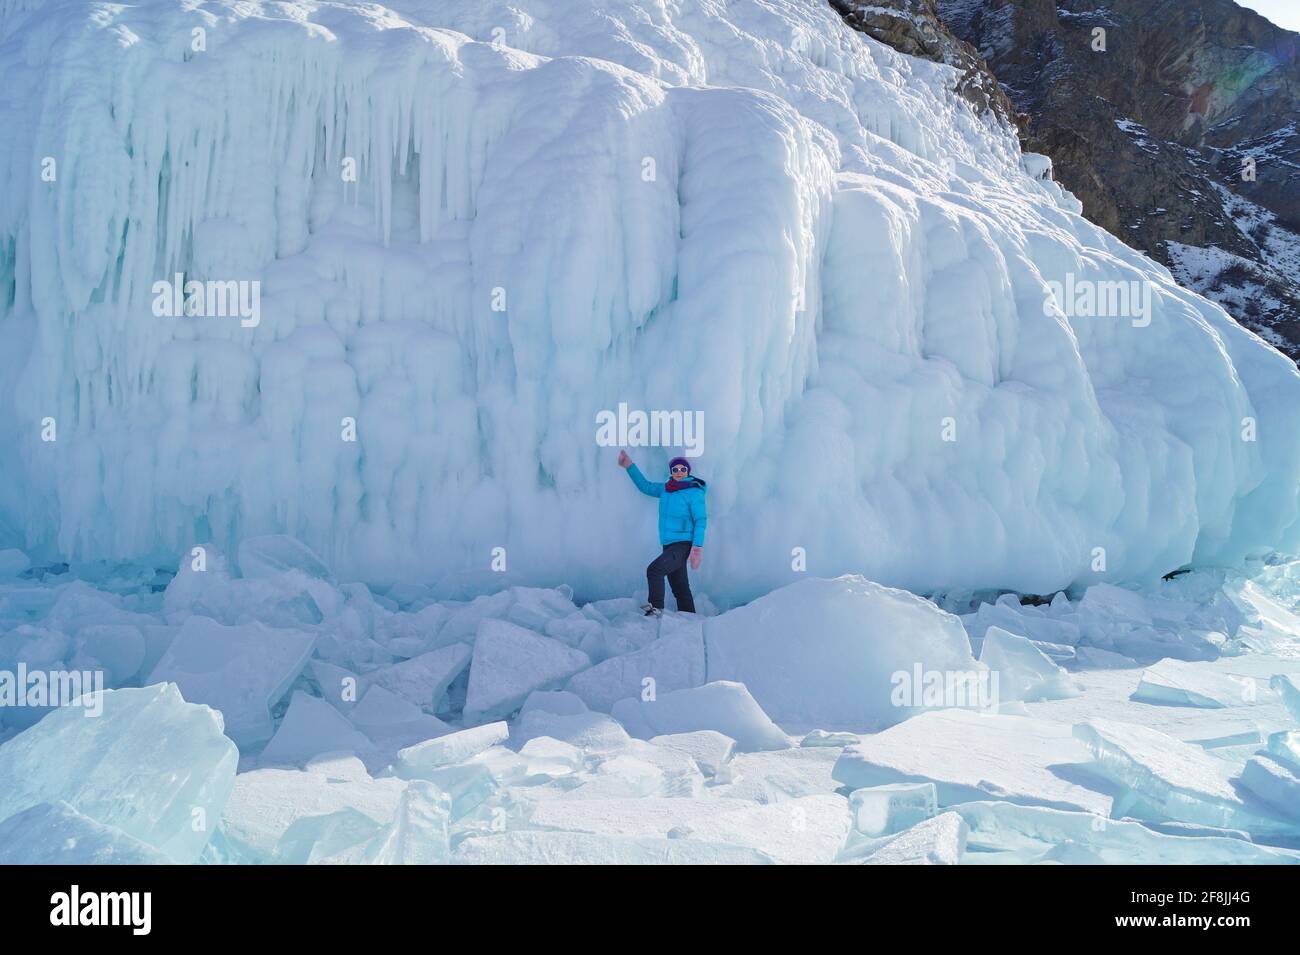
697,557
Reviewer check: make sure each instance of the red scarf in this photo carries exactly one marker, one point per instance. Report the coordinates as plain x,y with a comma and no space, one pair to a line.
673,485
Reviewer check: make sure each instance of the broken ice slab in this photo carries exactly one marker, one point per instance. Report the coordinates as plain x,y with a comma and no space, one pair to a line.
854,636
462,623
1121,621
242,671
1023,671
614,608
709,749
682,777
423,680
418,833
940,840
639,768
1166,779
290,600
1285,747
559,702
628,635
536,607
823,738
41,652
1104,605
1038,831
37,647
808,830
1061,653
1274,783
969,755
1095,658
619,776
1230,740
414,761
276,554
1269,626
410,633
1284,686
670,663
264,803
1108,694
590,732
549,758
56,834
1172,828
1029,622
778,775
540,847
310,728
356,653
150,764
510,662
884,810
117,649
468,785
336,838
576,630
1178,683
509,768
338,686
722,705
392,722
1149,644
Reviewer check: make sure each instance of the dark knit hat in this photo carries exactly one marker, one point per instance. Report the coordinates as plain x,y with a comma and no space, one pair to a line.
679,461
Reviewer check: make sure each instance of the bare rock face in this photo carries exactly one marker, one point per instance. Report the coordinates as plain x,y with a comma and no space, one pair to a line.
1149,110
1175,122
915,27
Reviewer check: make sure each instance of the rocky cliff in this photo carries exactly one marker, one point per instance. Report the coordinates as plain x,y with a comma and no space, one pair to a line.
1174,122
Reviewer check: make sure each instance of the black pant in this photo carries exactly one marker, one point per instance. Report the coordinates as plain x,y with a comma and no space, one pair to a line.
671,563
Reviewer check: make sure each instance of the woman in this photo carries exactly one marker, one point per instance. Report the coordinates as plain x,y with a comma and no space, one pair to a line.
681,531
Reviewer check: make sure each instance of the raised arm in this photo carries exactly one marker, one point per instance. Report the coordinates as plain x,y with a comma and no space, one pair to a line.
642,485
634,472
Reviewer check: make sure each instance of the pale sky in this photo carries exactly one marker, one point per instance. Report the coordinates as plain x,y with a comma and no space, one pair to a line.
1285,13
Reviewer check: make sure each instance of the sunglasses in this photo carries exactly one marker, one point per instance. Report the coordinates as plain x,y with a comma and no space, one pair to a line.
678,468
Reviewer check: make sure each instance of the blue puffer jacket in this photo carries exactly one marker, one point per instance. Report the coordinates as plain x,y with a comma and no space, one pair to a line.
681,513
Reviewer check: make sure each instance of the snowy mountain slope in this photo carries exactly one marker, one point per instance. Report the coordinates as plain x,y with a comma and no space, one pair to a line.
744,210
1252,287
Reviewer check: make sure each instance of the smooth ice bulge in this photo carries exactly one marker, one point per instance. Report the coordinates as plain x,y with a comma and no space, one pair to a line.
813,247
861,645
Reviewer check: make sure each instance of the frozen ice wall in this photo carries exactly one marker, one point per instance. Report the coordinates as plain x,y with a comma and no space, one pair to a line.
476,225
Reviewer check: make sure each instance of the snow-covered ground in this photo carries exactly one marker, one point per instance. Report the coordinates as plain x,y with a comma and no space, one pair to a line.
831,720
456,235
